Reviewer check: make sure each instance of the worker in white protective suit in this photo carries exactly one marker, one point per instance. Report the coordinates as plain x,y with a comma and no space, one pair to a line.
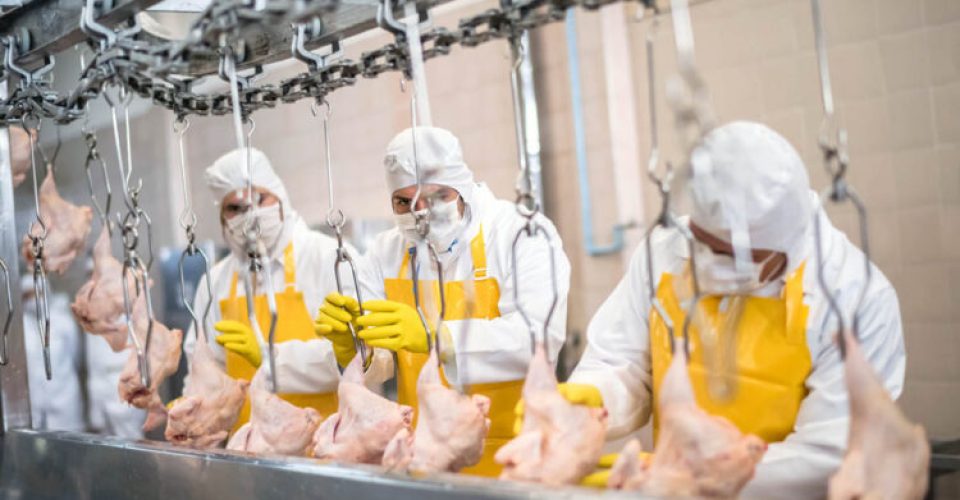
749,186
300,261
55,404
485,344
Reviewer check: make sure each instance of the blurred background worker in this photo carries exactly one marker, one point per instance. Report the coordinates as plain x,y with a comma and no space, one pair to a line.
106,413
473,233
55,404
787,385
301,265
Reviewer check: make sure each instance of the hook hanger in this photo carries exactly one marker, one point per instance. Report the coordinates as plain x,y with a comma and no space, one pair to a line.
833,145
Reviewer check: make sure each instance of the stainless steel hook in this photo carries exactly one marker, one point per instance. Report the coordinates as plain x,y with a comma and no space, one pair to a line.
532,230
833,145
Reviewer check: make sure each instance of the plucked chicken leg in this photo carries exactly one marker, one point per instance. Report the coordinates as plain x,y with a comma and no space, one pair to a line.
67,228
560,442
450,429
697,454
887,456
364,423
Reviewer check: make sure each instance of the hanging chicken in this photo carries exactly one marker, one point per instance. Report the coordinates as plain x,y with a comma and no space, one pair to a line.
276,427
211,402
697,454
364,423
163,358
560,442
98,305
450,428
888,457
20,143
67,228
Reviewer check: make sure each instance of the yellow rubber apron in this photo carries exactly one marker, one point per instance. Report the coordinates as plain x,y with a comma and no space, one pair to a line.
293,323
503,395
772,357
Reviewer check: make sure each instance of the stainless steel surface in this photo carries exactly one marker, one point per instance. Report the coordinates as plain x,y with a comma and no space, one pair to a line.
43,465
14,392
54,25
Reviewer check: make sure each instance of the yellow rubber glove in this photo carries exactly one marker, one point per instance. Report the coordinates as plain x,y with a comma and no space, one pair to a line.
239,338
332,324
392,325
597,479
578,394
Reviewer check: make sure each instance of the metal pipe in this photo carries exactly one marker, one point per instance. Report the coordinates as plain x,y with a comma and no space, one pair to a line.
580,140
14,392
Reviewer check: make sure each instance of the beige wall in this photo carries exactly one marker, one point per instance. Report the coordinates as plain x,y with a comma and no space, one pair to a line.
896,68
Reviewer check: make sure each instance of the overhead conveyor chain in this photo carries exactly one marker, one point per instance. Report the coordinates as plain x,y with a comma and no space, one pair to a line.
163,71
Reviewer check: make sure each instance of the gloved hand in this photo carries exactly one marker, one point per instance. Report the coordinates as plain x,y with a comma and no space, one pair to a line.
239,338
392,325
332,324
578,394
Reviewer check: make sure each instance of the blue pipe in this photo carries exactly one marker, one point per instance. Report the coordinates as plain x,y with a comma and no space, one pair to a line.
580,140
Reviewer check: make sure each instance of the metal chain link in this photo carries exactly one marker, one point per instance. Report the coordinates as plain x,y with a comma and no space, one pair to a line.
145,69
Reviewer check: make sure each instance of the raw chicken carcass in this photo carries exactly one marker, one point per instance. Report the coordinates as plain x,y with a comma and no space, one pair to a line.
560,442
450,429
276,427
67,228
364,423
211,401
20,143
98,306
888,456
163,358
697,454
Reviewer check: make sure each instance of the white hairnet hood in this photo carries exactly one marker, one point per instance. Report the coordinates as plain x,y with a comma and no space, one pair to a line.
439,155
229,173
750,188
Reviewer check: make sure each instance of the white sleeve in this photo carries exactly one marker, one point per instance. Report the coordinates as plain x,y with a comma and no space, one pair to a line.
499,349
617,357
801,465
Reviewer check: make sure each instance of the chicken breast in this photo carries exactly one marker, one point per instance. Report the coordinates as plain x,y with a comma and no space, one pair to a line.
364,423
560,443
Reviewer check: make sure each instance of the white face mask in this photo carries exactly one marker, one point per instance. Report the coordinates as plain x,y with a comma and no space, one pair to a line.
719,274
271,229
445,224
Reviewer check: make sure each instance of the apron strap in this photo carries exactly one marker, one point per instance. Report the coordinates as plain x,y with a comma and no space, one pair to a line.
478,252
289,267
233,286
796,310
